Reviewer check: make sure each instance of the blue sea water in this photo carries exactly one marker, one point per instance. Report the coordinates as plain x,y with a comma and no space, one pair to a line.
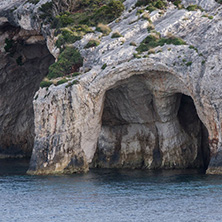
109,195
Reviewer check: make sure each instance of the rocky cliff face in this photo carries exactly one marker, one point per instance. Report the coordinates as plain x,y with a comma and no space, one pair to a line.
22,69
130,108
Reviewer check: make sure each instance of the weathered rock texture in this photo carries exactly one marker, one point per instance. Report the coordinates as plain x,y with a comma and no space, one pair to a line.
161,111
148,125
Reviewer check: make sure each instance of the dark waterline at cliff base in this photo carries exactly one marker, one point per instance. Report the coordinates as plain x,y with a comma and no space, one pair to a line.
109,195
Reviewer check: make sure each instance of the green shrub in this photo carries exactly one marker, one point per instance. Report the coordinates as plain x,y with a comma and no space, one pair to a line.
152,41
72,34
188,63
105,14
104,66
105,29
92,43
194,8
148,43
194,48
9,44
33,1
152,4
19,61
81,29
61,81
75,74
142,2
205,15
62,20
45,83
67,36
88,12
160,4
140,11
151,8
46,11
115,8
116,35
69,61
157,4
74,82
132,43
177,3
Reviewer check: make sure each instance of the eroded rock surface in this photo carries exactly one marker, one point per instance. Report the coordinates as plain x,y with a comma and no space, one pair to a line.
161,110
143,127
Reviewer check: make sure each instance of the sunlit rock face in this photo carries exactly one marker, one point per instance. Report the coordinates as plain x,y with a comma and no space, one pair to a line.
161,110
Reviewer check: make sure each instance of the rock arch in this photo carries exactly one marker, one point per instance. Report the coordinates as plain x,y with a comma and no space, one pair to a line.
148,123
72,143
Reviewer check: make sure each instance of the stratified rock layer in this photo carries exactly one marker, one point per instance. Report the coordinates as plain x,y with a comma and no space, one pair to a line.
161,110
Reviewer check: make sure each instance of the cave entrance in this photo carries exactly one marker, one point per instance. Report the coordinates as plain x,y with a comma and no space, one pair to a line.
143,128
24,63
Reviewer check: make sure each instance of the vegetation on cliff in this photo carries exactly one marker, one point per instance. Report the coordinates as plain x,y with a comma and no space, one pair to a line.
92,43
71,34
72,26
69,61
105,29
152,4
154,39
87,13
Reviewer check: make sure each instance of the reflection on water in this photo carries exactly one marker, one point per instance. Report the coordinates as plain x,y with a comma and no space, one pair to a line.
13,166
109,195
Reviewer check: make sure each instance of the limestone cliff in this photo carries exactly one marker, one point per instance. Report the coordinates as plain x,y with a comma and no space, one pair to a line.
134,105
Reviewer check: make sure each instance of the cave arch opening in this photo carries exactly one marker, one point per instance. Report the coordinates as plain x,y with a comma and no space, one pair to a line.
148,127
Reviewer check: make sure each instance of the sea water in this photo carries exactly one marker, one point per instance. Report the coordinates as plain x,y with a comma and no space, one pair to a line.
109,195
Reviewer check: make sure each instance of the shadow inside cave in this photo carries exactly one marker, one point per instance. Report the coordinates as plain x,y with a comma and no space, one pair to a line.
145,128
24,64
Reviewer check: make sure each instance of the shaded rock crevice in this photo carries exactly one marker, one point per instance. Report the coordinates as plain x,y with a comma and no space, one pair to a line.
24,63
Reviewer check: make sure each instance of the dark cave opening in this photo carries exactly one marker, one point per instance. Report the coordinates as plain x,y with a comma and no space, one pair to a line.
24,64
141,131
191,123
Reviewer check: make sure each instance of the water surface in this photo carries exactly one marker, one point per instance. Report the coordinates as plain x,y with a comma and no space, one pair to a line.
109,195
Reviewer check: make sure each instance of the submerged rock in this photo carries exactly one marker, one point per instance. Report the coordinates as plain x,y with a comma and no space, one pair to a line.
134,106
